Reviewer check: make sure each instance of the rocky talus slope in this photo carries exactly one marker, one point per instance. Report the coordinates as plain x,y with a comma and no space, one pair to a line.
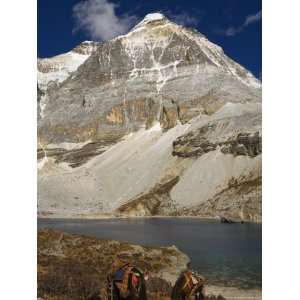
155,122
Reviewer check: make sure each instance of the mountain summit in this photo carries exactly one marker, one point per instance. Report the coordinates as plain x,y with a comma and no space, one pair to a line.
162,111
152,17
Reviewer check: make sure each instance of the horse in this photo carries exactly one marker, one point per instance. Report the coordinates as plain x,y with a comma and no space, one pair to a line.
125,282
188,286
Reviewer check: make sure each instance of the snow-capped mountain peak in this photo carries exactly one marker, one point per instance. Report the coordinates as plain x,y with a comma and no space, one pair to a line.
152,17
158,33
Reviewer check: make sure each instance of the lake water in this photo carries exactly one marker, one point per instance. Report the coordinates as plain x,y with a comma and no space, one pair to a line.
227,254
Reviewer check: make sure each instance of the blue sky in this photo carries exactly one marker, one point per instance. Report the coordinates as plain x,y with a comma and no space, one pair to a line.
235,25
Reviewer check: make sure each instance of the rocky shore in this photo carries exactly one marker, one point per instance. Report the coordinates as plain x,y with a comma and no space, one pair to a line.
75,267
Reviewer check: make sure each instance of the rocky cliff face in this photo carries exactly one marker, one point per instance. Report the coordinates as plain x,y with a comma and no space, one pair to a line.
118,119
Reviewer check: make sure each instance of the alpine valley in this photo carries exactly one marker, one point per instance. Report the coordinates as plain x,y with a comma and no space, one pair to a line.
157,122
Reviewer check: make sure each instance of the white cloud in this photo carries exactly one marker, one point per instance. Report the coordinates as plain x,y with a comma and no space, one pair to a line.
98,19
231,31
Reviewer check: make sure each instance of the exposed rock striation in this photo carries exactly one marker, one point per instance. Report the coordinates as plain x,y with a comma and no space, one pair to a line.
155,202
76,156
194,144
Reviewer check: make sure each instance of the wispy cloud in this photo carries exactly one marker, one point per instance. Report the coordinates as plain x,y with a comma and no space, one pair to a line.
231,31
99,21
253,18
183,18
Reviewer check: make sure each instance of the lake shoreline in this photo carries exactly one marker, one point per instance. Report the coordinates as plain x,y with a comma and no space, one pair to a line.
234,293
111,217
58,248
237,266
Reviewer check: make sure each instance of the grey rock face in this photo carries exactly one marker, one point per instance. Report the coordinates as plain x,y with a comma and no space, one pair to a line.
86,48
244,144
75,157
157,72
193,144
155,202
236,134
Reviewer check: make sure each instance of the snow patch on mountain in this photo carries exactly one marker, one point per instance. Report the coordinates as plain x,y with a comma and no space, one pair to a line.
58,68
153,17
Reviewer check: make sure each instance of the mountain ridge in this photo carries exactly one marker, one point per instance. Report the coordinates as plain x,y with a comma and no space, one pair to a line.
125,107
